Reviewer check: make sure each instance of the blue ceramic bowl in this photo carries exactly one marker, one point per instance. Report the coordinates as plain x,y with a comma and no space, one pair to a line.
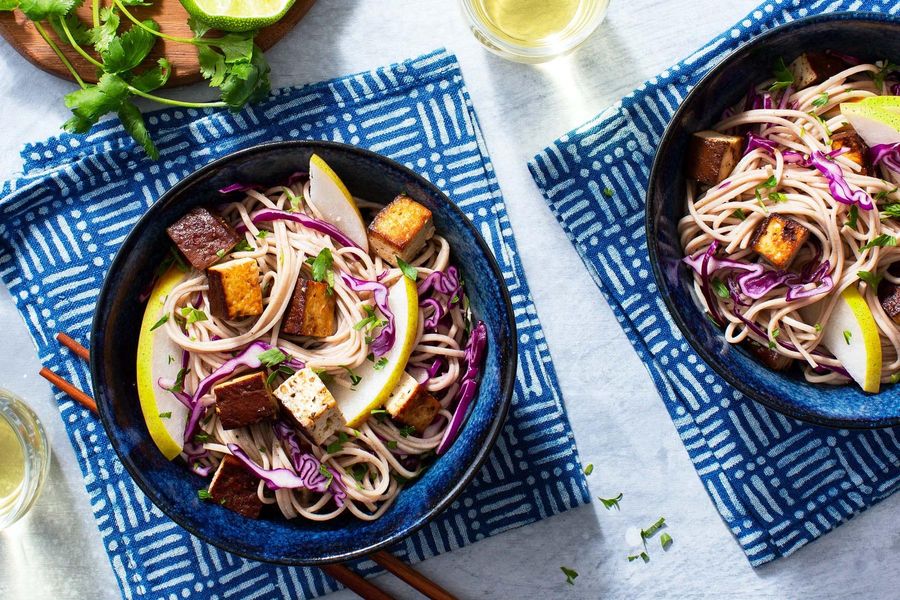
171,486
866,35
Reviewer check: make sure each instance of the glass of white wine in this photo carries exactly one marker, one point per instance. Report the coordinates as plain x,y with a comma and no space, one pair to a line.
533,30
24,458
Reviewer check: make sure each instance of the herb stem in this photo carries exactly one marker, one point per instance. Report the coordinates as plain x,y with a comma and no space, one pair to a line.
172,102
62,57
74,44
165,36
95,12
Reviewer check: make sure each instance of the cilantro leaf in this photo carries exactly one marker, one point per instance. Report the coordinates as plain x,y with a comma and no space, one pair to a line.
78,30
847,336
872,279
39,10
852,217
354,378
128,50
881,241
94,101
821,100
570,574
160,323
885,70
243,246
783,77
193,315
8,4
720,289
154,78
178,386
739,214
133,122
890,210
321,267
212,65
246,81
272,357
204,494
409,271
103,35
610,503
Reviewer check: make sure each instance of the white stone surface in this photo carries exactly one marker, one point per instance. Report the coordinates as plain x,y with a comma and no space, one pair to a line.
620,423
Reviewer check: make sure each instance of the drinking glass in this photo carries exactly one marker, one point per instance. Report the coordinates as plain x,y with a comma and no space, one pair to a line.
24,458
533,31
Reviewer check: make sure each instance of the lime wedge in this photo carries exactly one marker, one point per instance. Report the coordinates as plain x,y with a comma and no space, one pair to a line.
237,15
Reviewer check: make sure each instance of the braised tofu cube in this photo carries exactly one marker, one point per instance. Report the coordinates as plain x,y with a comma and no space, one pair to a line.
400,229
813,68
712,156
310,405
235,488
311,311
856,148
412,404
778,239
202,237
244,401
234,290
770,358
889,295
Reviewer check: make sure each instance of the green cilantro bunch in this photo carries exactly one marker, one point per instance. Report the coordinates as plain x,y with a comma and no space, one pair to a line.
232,63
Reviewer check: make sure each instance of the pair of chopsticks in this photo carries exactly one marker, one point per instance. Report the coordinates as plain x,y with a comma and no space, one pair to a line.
350,579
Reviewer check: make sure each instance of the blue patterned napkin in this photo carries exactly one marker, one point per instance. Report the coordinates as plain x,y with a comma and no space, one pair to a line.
62,221
778,483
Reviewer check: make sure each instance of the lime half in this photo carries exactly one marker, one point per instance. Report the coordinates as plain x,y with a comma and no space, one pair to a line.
237,15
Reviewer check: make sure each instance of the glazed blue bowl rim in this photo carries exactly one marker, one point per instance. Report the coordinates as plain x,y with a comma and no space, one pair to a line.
507,372
652,235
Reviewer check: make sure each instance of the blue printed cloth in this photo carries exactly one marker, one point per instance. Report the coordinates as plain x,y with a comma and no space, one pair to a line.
778,483
63,220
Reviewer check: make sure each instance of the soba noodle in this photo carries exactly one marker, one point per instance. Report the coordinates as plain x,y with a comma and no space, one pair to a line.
800,121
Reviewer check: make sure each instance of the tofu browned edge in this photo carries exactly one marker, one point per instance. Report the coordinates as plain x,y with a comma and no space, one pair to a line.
857,150
235,488
712,156
767,356
889,296
778,239
412,404
237,299
244,400
311,310
202,237
812,68
400,229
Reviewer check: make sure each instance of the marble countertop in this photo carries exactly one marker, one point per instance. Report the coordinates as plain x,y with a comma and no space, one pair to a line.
619,420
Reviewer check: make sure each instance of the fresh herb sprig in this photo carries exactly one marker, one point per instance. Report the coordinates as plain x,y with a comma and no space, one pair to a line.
232,63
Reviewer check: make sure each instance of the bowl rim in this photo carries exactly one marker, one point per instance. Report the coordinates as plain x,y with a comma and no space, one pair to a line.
652,233
507,372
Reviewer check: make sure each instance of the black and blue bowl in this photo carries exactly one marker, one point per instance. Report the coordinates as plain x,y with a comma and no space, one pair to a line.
869,36
171,486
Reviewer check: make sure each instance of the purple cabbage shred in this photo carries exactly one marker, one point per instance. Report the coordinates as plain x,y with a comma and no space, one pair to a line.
385,339
475,357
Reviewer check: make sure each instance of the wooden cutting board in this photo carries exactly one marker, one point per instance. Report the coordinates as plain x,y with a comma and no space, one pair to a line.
172,19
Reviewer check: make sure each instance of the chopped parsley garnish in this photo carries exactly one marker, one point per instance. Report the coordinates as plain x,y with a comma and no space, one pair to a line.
392,444
775,333
294,200
821,100
588,468
720,289
821,122
263,234
171,359
204,494
651,531
643,556
778,197
847,336
739,214
220,253
406,430
321,268
201,437
771,182
178,386
886,68
338,444
162,320
895,378
852,217
608,192
665,540
359,472
888,210
409,271
380,363
324,375
271,358
281,370
165,415
377,411
881,240
872,279
354,378
783,77
610,503
193,315
818,327
329,477
570,574
243,246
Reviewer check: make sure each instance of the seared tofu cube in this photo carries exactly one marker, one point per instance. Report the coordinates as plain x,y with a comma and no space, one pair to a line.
310,405
235,488
770,358
856,148
244,401
202,237
411,404
778,239
712,156
311,311
234,290
813,68
889,295
400,229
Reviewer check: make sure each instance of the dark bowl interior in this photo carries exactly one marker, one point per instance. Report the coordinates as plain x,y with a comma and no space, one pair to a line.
866,35
170,485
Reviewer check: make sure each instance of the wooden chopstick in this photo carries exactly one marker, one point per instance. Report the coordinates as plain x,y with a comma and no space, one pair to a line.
412,577
344,575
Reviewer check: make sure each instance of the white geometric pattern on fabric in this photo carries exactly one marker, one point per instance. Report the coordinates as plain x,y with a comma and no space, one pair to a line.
777,483
60,226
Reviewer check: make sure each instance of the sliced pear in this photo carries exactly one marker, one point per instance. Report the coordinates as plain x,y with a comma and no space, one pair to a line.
851,335
375,385
876,122
159,357
331,198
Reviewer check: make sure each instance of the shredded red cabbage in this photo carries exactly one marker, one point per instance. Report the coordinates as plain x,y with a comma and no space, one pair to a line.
757,141
272,214
475,356
850,60
888,154
439,311
447,283
249,357
423,376
385,339
837,185
239,187
309,475
895,89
